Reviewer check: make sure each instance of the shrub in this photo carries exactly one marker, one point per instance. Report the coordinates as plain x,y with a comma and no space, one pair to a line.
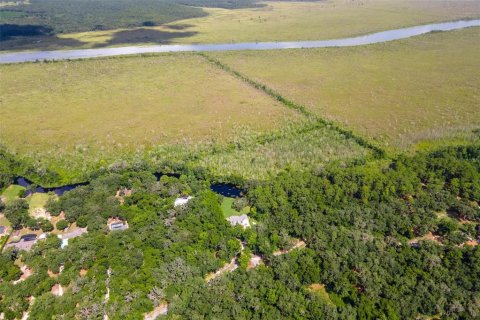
239,203
82,221
62,225
46,225
446,226
53,206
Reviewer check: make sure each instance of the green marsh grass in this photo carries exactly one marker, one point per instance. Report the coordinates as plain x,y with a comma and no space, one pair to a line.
397,93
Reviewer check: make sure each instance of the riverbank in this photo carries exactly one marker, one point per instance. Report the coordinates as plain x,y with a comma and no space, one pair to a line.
384,36
272,21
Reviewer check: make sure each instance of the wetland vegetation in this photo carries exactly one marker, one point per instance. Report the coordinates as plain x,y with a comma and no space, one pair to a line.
357,169
400,93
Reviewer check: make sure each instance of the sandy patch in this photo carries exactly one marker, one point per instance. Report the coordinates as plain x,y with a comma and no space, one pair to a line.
254,262
429,236
299,244
228,267
160,310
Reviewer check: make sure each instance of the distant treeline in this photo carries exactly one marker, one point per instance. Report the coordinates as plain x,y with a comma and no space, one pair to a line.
89,15
43,17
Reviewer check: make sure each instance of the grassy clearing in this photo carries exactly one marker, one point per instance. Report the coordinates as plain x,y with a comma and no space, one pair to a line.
107,108
284,21
402,93
228,211
319,289
12,193
307,148
37,200
4,222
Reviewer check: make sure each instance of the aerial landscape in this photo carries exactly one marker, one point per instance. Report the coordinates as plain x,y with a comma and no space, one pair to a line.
239,159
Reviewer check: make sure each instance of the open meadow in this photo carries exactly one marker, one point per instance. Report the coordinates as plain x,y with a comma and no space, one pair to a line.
287,21
399,93
78,113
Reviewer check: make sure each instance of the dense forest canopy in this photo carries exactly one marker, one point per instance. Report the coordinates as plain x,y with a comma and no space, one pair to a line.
88,15
365,256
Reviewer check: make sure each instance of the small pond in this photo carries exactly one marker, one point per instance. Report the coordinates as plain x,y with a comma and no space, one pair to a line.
227,190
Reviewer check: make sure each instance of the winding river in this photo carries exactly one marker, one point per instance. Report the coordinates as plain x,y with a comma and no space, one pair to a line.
390,35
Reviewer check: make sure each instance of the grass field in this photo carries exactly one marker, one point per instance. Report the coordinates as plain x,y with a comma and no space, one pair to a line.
88,111
228,211
401,93
12,193
285,21
37,200
4,222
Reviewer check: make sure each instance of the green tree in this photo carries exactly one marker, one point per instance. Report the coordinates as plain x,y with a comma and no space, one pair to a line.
62,225
17,213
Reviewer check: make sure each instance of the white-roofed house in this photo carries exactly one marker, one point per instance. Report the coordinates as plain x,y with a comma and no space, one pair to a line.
241,220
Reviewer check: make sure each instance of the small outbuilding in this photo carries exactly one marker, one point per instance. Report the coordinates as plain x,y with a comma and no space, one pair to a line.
118,226
182,201
115,224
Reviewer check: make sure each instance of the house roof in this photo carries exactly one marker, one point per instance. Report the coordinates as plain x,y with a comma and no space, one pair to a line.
181,201
117,224
243,220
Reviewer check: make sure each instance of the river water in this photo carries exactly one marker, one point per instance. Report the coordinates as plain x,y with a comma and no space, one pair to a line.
390,35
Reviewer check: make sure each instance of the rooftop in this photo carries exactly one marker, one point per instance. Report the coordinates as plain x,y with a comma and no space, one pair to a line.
115,224
182,201
241,220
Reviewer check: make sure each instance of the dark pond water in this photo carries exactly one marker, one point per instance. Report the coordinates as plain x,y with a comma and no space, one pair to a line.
29,237
390,35
24,182
227,190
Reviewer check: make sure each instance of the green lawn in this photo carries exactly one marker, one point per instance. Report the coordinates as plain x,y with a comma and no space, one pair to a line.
37,200
4,222
12,192
228,211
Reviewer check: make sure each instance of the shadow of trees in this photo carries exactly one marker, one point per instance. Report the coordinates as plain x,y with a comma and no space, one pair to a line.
145,35
25,37
8,31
